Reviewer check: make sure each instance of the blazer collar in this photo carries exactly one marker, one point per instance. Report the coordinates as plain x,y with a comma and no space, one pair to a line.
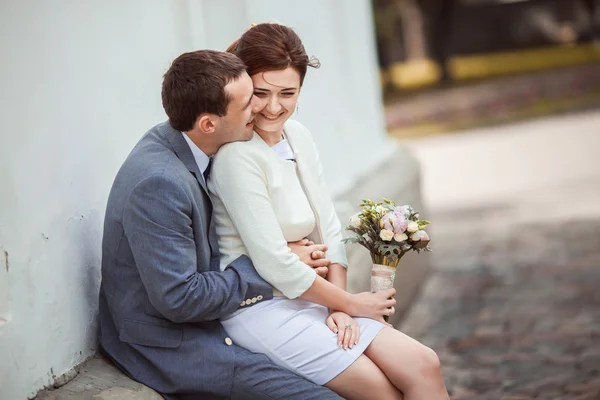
184,153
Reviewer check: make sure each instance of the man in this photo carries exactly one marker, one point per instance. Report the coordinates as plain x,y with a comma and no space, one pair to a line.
162,289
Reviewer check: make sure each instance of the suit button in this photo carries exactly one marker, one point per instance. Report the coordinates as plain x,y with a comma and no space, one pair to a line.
254,300
259,297
243,303
248,301
228,341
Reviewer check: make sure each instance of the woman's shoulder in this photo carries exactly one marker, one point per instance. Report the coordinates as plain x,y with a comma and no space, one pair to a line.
241,150
296,130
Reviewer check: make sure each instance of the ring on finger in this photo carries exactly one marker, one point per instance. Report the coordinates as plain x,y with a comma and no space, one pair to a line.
348,326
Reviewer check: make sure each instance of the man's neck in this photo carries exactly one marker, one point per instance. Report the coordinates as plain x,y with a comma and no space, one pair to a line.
207,148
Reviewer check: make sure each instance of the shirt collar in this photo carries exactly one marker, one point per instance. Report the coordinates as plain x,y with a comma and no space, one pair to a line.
202,159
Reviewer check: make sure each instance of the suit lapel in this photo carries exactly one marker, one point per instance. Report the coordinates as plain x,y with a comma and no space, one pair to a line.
184,153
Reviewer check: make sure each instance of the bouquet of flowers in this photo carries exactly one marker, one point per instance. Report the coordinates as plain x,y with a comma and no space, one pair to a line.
388,232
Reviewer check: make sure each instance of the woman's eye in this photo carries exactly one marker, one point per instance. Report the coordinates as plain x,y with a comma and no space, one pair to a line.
260,94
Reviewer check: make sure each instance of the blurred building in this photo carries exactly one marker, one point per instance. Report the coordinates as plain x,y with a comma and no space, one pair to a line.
466,39
455,64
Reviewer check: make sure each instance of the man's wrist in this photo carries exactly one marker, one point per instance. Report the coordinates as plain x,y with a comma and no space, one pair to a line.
349,304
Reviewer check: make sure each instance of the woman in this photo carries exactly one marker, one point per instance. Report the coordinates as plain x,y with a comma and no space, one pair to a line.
270,191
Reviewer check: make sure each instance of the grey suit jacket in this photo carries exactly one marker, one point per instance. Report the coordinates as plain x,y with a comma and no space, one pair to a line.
162,291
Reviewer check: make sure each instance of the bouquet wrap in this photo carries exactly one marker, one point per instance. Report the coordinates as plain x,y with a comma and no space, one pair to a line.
382,277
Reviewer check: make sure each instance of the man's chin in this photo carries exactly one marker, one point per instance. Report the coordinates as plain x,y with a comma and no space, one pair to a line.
248,133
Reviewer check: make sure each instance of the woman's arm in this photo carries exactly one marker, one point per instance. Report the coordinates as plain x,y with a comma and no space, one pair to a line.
337,275
239,182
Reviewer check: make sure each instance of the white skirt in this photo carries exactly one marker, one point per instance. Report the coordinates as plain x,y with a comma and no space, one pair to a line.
293,334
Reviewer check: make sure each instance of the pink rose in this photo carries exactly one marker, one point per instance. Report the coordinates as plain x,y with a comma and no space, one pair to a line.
403,210
395,222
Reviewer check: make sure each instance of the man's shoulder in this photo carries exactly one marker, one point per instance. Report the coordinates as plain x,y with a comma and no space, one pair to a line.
153,156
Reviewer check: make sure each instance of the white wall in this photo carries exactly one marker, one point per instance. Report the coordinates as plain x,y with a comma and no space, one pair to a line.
80,83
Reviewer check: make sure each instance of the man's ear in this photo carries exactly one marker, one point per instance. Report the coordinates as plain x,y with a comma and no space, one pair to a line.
206,123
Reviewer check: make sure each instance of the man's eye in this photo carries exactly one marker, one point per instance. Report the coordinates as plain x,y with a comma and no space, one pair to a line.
288,94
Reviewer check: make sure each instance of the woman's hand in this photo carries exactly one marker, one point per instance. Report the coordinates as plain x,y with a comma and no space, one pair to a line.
312,255
346,327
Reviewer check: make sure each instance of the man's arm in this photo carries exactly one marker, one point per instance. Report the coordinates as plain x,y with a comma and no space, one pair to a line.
158,226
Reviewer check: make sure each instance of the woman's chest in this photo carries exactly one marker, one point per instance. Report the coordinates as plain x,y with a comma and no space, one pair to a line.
291,201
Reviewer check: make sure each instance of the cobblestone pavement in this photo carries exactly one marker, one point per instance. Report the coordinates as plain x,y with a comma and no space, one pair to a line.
514,312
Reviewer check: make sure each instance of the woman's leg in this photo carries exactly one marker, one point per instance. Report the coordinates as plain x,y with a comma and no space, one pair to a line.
411,366
364,380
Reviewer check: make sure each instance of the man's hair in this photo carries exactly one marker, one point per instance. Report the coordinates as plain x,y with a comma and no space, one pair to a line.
195,84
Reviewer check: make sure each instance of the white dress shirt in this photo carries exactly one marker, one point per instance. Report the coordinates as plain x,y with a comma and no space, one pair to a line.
202,160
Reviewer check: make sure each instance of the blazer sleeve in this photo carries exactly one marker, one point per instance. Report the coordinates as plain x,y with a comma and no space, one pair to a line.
158,227
330,223
238,180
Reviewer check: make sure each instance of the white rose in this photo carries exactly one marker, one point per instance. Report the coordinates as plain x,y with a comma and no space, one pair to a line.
419,235
355,221
400,237
386,235
412,226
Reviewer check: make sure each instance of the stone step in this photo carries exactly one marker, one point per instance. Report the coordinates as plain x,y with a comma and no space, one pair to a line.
99,379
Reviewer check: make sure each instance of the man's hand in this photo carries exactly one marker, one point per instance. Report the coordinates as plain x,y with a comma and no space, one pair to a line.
372,305
312,255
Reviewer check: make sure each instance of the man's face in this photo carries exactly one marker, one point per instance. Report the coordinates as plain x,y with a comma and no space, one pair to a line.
238,124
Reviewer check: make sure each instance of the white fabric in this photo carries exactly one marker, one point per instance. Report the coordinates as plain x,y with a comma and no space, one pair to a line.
202,160
293,334
261,201
259,206
283,150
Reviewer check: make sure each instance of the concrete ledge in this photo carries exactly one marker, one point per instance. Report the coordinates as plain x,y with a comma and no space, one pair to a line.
99,379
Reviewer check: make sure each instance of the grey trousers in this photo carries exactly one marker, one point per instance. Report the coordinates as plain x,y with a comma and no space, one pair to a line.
256,377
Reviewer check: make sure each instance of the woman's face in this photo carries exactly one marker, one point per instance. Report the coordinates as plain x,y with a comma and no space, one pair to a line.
277,92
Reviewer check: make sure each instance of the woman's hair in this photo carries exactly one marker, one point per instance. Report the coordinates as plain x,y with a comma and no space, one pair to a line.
272,47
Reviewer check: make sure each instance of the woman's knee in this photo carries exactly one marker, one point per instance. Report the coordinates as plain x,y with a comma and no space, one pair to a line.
361,380
429,362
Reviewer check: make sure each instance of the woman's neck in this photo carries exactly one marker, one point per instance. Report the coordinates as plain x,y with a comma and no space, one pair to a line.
270,138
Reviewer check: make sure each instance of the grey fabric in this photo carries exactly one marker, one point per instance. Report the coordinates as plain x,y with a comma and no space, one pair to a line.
162,289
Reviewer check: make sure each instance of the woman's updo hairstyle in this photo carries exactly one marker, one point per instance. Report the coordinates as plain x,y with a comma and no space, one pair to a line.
272,47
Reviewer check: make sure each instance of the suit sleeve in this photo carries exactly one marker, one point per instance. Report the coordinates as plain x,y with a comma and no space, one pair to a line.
158,226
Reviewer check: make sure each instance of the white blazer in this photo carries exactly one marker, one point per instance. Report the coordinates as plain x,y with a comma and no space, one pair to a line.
260,203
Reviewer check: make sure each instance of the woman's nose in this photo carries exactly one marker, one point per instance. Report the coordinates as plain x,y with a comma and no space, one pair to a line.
273,105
